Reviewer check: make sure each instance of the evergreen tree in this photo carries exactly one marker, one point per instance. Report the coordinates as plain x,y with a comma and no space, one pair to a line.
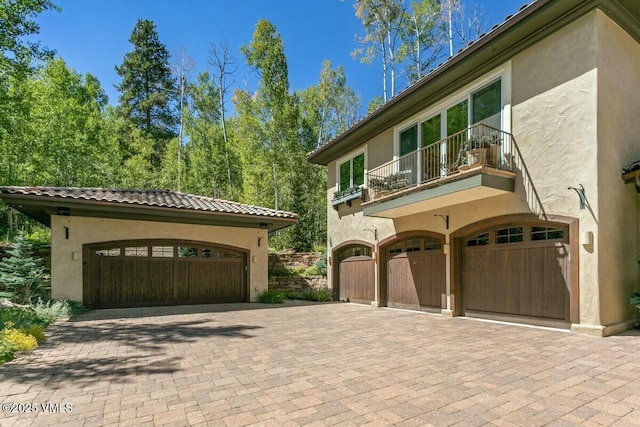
147,94
22,274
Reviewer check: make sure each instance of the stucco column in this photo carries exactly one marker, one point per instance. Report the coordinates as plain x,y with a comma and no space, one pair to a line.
447,306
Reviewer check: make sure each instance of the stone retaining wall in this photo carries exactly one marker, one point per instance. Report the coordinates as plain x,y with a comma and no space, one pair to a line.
290,261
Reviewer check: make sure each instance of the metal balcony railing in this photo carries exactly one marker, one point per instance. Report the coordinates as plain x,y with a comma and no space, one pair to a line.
478,145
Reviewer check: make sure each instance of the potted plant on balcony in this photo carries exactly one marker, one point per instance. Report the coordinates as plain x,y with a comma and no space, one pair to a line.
483,149
346,196
381,186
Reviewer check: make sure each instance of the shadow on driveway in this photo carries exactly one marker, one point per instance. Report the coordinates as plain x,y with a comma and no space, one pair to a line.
89,370
146,336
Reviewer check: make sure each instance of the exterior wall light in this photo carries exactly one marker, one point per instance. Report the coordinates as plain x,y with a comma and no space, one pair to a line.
583,198
586,238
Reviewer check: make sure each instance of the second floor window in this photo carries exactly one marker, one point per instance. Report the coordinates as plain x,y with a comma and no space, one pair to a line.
482,106
352,172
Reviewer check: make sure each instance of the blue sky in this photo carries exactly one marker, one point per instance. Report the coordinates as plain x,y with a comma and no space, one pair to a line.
92,36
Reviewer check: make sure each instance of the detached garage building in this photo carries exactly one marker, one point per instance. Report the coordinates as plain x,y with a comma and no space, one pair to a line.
123,248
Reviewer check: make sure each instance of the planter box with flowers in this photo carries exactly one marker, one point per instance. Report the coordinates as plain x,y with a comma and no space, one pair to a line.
346,196
388,184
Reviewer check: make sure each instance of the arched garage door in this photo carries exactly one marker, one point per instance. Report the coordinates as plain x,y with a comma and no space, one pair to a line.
356,277
416,272
162,272
519,270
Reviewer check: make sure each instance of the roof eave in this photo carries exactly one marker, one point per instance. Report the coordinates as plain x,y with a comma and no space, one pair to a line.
513,36
40,208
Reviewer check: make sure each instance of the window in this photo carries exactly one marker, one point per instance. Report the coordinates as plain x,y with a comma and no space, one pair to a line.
479,240
458,117
396,249
108,252
546,233
509,235
431,129
481,106
355,251
431,244
162,251
137,251
185,252
409,140
414,245
486,105
352,172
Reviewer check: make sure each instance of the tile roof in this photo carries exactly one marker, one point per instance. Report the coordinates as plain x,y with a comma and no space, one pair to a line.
154,198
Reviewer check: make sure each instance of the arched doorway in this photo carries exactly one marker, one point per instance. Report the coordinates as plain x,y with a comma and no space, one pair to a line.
355,272
163,272
414,271
517,269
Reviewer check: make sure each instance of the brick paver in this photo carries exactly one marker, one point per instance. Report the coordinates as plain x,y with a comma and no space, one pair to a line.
325,364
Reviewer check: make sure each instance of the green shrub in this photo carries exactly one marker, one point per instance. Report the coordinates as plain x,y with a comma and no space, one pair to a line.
319,268
20,317
291,295
298,270
271,297
6,353
634,298
40,236
50,312
317,295
318,247
23,274
17,340
314,270
36,331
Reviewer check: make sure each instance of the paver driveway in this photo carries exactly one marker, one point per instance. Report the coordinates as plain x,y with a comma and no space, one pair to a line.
320,365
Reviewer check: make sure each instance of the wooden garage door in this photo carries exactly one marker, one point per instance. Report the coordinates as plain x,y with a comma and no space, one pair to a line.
416,273
520,270
356,274
142,273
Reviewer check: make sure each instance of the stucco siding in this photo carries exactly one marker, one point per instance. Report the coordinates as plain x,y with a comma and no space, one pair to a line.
618,145
380,149
66,272
554,124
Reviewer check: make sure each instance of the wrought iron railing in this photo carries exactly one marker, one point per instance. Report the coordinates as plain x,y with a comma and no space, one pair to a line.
478,145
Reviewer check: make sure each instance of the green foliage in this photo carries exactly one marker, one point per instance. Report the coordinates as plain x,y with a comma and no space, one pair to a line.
48,312
20,317
316,295
36,331
39,236
319,268
271,297
634,298
17,340
22,274
66,127
147,98
318,247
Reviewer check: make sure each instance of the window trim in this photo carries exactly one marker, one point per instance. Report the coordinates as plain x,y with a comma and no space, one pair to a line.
350,157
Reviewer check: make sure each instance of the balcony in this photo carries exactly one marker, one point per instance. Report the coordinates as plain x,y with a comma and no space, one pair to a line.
472,164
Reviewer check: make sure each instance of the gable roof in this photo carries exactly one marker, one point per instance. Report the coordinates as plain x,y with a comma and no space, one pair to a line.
155,205
517,32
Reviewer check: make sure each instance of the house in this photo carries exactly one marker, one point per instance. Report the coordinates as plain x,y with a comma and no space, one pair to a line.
124,248
491,187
